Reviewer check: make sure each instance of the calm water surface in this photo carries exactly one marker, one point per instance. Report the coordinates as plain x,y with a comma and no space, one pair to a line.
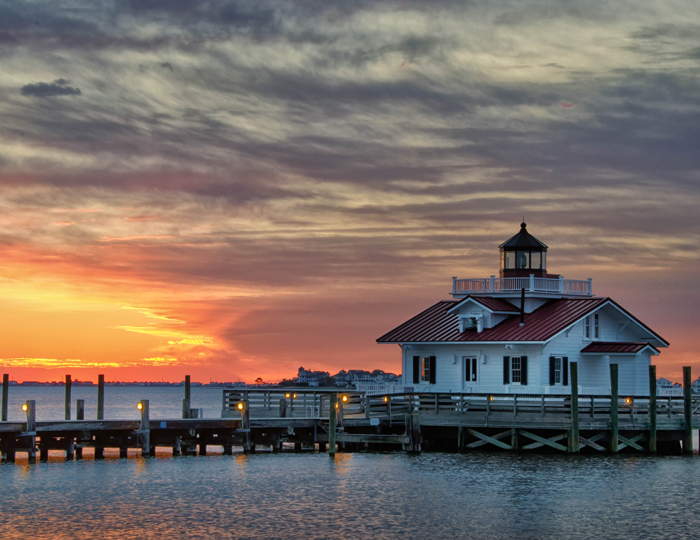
314,496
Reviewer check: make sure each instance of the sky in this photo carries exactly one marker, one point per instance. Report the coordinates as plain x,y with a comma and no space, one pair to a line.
234,189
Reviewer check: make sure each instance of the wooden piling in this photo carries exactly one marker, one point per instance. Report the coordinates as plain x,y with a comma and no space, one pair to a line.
332,423
31,430
5,396
283,408
614,433
187,402
687,412
145,428
652,409
80,409
245,425
100,397
413,434
514,442
67,400
573,445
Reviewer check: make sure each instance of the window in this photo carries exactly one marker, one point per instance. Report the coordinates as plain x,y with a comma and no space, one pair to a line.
523,259
425,369
536,260
588,332
515,369
470,368
596,327
557,369
510,260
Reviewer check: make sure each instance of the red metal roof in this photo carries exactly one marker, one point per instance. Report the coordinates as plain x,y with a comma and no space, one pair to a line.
608,347
494,304
436,325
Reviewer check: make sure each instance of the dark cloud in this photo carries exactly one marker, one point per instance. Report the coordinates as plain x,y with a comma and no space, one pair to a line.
166,65
59,87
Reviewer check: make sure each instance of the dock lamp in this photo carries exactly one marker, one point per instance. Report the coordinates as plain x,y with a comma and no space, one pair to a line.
139,406
287,395
628,400
345,398
386,399
240,406
25,407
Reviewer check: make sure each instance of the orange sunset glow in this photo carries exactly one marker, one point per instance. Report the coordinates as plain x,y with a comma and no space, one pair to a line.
235,200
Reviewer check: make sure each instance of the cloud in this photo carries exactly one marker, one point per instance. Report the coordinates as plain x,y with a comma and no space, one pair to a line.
59,87
167,65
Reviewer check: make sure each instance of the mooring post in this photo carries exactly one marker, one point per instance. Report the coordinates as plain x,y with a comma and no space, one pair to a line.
244,407
145,429
5,395
687,411
100,397
186,404
67,400
413,433
30,408
573,439
332,422
80,409
460,436
514,443
652,409
614,434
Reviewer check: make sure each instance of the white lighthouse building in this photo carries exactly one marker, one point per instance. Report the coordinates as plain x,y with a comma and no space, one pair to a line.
517,333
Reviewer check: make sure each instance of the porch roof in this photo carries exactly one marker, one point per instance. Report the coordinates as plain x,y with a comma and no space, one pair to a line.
622,347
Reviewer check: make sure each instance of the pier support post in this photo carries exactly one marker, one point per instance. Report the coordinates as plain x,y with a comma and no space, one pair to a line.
5,396
514,443
145,429
687,412
460,439
413,433
80,409
244,407
332,423
574,445
614,396
100,397
652,409
186,403
30,408
67,400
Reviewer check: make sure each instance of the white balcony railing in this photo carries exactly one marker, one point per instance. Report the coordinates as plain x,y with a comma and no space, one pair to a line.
494,285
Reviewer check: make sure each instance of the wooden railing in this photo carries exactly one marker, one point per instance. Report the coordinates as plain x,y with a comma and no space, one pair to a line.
515,284
445,408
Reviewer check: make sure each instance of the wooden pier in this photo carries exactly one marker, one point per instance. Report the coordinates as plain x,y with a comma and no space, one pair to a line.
332,421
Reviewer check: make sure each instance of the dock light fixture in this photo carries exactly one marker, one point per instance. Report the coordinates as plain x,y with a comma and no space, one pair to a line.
240,405
345,398
490,398
628,400
286,395
386,399
139,405
24,407
294,396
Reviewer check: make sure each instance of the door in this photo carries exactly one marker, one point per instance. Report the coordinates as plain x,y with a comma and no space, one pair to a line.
470,370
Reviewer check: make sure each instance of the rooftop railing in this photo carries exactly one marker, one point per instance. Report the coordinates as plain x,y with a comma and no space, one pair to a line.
494,285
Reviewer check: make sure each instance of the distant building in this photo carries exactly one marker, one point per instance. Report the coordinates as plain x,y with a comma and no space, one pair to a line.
312,378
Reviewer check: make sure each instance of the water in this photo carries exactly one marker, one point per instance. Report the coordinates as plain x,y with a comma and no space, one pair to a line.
120,402
315,496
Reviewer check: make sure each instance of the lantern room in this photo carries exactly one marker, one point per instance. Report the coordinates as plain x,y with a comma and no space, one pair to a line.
523,255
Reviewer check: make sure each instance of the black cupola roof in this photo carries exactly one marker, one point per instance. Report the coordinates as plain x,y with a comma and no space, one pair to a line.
523,240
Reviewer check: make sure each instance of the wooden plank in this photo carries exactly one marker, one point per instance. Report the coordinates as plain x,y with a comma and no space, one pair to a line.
551,442
687,412
652,409
614,431
631,442
490,440
592,444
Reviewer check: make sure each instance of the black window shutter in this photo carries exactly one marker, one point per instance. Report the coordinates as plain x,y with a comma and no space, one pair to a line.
565,370
433,361
468,369
551,371
523,370
416,369
506,370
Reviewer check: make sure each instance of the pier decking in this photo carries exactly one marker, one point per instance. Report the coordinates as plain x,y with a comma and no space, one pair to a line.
348,420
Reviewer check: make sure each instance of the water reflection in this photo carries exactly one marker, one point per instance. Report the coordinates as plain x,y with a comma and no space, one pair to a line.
380,496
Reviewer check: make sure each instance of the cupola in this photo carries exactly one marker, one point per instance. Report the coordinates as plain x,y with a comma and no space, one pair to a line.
523,255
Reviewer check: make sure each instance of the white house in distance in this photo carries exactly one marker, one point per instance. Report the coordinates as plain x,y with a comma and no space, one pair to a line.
481,341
